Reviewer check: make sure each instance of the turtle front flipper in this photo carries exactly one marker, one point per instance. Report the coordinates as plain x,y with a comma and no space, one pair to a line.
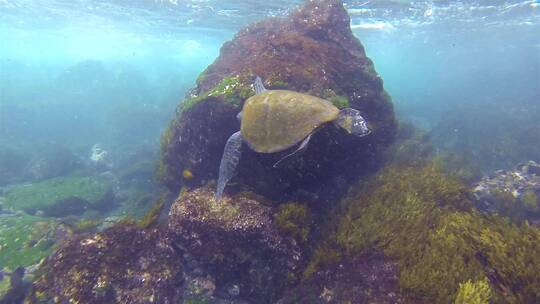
229,161
351,120
301,148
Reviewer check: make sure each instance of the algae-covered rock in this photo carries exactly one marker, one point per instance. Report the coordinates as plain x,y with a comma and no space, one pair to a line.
123,264
363,279
61,196
236,241
473,293
52,161
25,239
311,51
514,193
423,220
14,289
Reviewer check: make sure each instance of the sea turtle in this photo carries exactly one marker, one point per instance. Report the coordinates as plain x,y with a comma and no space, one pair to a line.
275,120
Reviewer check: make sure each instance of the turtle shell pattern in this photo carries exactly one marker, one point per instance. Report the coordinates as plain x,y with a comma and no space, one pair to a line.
275,120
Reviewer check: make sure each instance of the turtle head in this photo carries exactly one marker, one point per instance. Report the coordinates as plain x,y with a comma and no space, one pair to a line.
351,120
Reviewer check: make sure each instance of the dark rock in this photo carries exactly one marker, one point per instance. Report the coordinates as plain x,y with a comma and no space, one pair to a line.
18,288
53,161
312,50
123,264
364,279
200,289
235,241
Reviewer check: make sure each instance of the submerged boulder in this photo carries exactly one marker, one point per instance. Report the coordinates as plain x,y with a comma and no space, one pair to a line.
514,193
124,264
236,242
314,51
26,239
52,161
61,196
424,221
364,279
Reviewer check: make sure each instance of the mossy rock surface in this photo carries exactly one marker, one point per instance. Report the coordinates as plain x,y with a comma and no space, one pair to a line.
123,264
312,51
364,279
424,221
61,196
25,239
236,241
4,287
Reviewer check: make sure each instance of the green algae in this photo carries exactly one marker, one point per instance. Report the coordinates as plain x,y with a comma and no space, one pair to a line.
151,217
86,225
477,292
231,89
276,82
5,285
293,219
24,240
322,256
162,171
58,195
424,221
530,201
340,101
516,208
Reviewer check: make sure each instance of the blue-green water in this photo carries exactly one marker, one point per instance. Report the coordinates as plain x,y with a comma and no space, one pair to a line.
75,67
87,88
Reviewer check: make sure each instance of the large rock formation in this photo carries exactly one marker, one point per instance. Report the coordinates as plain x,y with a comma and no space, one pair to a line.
247,247
124,264
237,242
312,50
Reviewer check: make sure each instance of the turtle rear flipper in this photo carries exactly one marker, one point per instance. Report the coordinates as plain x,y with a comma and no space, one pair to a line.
259,86
351,120
229,161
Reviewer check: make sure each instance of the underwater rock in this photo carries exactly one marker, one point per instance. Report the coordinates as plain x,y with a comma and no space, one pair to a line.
123,264
423,221
364,279
18,288
202,289
235,241
314,51
26,239
61,196
514,192
52,161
